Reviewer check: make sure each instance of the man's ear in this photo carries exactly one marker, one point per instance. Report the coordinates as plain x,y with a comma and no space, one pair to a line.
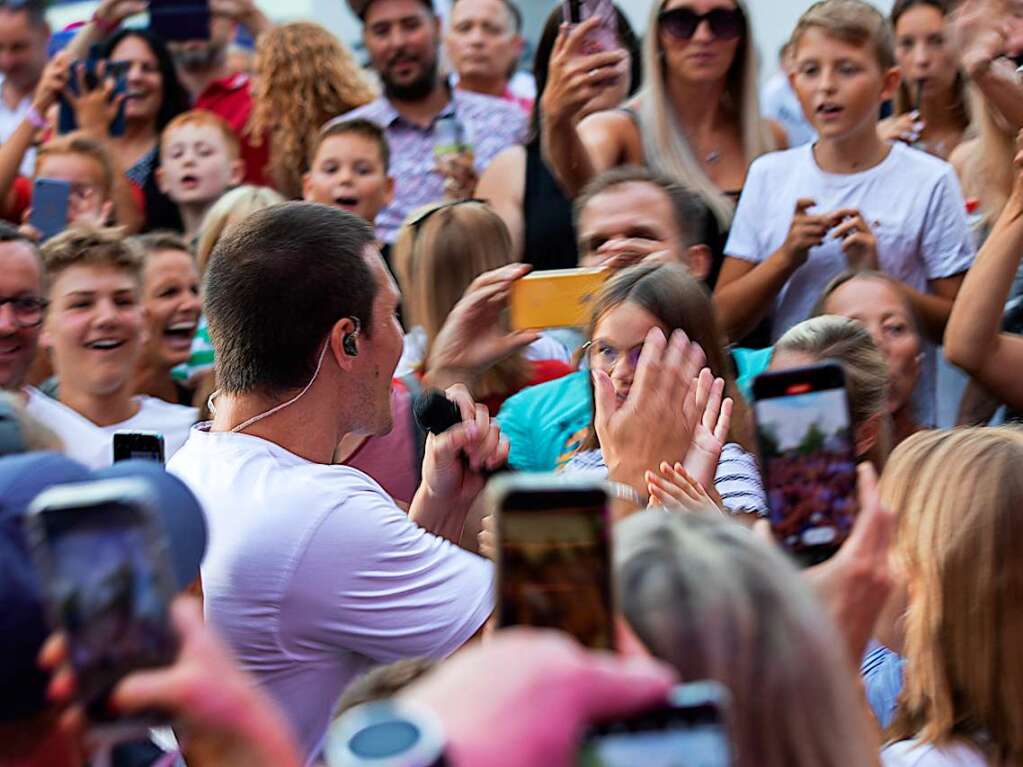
344,328
891,80
700,261
161,180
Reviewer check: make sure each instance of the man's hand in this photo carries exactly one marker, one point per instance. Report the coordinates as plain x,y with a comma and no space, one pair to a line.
244,12
858,241
656,421
473,338
622,253
524,697
979,35
806,231
225,718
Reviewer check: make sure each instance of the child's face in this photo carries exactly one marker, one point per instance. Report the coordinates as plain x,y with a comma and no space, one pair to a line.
87,204
94,327
348,173
840,86
195,166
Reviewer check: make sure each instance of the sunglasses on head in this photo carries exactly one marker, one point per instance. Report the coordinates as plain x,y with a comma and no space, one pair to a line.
682,23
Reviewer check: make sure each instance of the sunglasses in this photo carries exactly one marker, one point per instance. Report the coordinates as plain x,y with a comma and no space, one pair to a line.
682,23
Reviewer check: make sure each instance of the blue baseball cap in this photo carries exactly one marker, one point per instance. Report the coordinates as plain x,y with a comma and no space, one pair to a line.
23,622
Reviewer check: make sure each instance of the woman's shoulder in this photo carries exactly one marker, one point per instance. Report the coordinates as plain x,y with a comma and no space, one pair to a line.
913,753
616,127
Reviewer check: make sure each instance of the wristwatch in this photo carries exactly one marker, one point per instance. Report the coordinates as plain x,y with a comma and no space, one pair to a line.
388,733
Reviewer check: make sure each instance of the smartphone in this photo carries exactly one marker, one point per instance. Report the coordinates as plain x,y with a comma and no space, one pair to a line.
808,457
106,574
147,445
554,555
180,20
689,730
67,122
50,200
555,298
449,136
605,36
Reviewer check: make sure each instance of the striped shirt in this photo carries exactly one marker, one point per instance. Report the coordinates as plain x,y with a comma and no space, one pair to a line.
737,479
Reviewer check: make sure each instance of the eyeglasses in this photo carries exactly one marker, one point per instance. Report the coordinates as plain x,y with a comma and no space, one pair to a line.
605,357
682,23
27,310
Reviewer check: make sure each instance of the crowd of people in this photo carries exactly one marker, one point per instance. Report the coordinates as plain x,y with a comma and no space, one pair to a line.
267,254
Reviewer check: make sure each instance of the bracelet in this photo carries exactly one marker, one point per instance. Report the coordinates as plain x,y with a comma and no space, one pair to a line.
624,492
106,26
37,120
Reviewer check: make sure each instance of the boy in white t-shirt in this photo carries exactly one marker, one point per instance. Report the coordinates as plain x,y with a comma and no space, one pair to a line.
848,200
93,330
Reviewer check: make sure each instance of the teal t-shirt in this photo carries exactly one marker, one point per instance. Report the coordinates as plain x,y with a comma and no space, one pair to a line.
546,424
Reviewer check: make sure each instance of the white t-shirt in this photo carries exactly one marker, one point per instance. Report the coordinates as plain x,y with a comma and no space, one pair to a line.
313,575
911,753
172,421
83,440
911,201
10,119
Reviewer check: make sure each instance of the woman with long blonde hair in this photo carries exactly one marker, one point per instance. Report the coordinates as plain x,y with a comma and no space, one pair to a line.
717,603
696,119
959,552
304,77
440,250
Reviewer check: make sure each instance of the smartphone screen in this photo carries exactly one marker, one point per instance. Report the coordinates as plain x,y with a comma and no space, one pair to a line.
180,20
138,444
680,734
50,198
449,136
107,580
554,567
809,459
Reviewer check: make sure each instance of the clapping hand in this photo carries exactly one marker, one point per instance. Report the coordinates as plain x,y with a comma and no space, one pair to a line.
711,432
674,488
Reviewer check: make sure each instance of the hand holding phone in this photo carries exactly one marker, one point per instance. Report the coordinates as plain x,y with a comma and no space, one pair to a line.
603,37
103,560
95,96
808,456
553,555
50,200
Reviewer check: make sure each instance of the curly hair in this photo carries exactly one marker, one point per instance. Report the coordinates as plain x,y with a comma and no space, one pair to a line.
304,77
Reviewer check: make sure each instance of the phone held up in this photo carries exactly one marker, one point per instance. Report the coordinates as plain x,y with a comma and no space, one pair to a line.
50,200
147,445
808,454
605,36
554,555
108,581
555,298
689,730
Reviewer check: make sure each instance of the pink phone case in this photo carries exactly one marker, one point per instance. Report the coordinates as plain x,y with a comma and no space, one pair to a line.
604,37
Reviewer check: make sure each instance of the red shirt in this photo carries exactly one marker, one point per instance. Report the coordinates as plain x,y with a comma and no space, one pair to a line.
231,98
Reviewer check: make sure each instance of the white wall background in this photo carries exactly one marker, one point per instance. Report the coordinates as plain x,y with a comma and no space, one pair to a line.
772,19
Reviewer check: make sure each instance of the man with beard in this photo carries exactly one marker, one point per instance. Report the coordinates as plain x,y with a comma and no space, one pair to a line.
202,66
402,38
24,34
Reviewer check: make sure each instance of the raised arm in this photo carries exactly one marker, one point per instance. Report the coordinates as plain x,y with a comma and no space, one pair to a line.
973,339
105,21
573,152
981,39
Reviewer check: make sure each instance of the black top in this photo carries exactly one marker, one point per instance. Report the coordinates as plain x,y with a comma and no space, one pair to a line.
549,238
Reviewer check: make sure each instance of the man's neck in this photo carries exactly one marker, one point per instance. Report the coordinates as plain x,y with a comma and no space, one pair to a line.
192,214
486,86
300,428
155,381
196,83
423,111
13,95
855,152
102,410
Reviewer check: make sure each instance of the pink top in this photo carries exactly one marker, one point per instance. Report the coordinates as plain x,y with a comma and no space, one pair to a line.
391,459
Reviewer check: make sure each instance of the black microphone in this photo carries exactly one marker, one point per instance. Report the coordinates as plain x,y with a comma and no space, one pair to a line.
435,414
